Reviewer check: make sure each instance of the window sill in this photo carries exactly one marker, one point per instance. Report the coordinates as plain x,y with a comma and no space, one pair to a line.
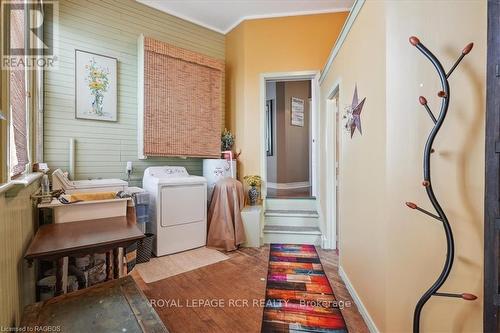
5,187
21,182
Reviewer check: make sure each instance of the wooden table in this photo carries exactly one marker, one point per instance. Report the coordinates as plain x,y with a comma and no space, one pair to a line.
113,306
54,242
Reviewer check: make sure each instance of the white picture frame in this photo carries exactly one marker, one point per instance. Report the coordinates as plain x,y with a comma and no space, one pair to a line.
95,86
297,112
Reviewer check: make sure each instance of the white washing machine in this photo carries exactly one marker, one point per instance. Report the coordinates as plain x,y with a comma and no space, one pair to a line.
178,209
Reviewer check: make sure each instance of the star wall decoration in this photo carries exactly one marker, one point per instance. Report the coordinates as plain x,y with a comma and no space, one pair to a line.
353,114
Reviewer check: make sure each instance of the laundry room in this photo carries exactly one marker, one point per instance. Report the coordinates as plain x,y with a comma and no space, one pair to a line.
249,166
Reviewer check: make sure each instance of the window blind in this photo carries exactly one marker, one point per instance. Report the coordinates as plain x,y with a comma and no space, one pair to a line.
182,101
17,92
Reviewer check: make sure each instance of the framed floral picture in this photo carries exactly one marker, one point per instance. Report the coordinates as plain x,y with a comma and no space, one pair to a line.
95,86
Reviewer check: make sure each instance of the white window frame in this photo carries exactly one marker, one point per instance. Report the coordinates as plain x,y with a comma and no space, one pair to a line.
6,110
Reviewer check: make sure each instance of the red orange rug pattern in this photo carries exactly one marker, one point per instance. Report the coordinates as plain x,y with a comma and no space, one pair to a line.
299,297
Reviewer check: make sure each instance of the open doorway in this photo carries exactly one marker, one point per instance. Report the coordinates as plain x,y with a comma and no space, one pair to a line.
289,138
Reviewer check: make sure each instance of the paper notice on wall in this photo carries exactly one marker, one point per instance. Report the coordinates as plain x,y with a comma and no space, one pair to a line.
297,112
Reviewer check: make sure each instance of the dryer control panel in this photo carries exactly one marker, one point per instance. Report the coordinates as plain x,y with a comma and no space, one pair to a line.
167,171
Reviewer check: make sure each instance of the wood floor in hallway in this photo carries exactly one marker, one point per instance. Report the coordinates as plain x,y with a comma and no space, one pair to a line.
228,296
305,192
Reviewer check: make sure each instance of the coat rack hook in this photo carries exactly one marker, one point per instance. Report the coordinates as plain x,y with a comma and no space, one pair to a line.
468,297
442,94
414,206
423,101
464,296
465,51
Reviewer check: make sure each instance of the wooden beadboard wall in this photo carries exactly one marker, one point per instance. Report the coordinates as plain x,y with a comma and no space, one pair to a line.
17,280
110,27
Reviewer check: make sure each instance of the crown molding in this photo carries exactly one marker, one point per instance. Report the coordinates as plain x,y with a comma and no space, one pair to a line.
244,18
276,15
353,14
184,17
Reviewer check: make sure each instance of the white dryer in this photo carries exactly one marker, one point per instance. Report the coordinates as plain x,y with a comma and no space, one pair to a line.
178,209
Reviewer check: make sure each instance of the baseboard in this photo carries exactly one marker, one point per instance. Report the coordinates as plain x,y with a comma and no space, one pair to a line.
325,244
288,186
361,307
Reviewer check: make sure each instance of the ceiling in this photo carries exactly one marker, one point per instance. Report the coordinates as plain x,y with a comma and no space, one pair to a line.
223,15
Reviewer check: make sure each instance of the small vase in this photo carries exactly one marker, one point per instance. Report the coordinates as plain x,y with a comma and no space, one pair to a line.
253,195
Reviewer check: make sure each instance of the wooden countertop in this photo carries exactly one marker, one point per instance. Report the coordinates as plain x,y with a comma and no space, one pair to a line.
65,239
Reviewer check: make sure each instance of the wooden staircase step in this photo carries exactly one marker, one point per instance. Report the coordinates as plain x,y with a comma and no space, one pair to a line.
285,229
291,213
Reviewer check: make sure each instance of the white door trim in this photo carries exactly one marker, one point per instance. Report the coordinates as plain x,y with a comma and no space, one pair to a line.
289,76
330,128
311,149
314,135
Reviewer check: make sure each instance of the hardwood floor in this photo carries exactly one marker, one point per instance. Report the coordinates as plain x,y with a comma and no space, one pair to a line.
304,192
227,296
353,318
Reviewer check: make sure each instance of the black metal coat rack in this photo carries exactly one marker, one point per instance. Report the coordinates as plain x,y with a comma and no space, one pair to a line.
444,94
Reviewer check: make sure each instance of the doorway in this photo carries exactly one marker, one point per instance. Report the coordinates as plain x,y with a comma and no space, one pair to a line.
289,135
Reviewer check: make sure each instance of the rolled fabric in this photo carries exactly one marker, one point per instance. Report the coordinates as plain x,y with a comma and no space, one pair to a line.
90,196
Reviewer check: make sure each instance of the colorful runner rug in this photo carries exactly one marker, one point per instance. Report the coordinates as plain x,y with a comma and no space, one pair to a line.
299,297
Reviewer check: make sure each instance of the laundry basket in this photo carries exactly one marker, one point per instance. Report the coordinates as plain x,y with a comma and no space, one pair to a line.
144,248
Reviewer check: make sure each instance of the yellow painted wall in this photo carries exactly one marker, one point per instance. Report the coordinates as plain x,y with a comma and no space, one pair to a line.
235,82
392,254
258,46
362,237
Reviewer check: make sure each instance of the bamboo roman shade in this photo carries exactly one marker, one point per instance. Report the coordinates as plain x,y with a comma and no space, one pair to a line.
182,101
